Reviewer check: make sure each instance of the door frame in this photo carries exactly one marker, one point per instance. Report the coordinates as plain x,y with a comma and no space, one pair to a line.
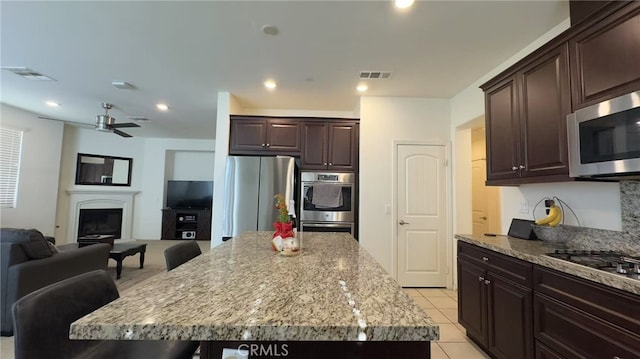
448,208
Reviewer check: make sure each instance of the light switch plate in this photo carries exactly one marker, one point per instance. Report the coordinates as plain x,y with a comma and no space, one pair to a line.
387,208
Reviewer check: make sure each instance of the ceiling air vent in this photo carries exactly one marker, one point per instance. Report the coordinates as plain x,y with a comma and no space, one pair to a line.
28,73
375,75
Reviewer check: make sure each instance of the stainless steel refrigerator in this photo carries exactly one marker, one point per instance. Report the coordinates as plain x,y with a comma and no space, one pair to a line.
251,184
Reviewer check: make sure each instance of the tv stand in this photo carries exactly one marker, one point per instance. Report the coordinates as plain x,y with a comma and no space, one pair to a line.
186,224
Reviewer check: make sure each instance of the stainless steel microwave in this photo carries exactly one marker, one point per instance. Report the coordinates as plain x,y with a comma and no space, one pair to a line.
604,139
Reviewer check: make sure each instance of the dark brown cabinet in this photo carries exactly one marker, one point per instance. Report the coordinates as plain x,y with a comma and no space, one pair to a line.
495,301
605,57
526,121
329,145
186,224
576,318
256,136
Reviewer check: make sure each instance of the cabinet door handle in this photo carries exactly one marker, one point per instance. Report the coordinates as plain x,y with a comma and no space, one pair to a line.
264,145
325,163
522,167
487,282
480,279
485,259
514,168
330,164
268,145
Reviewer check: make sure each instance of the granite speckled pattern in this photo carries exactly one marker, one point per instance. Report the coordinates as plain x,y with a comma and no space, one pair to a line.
534,251
242,290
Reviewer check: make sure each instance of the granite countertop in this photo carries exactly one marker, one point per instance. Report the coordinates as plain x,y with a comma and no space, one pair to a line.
242,290
534,251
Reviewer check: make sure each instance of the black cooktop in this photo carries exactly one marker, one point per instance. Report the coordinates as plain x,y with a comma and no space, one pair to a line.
609,261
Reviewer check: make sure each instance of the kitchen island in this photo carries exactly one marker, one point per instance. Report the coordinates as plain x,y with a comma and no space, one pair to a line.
333,299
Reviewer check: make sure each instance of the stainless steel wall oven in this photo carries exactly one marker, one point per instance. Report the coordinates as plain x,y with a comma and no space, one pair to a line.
327,202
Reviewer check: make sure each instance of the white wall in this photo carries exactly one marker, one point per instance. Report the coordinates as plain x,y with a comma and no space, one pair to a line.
190,165
383,120
81,140
193,159
39,171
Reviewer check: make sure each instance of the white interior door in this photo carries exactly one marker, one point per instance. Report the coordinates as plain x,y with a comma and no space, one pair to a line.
421,216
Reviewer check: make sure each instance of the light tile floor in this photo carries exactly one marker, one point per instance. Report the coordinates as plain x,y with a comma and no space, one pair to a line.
442,306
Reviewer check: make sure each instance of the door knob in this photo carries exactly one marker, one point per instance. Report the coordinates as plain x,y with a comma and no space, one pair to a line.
402,222
483,217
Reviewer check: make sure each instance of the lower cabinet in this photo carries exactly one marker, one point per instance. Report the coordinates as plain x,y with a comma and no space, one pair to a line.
495,311
514,309
576,318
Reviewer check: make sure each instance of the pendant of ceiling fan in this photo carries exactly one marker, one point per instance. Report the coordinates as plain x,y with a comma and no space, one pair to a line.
108,124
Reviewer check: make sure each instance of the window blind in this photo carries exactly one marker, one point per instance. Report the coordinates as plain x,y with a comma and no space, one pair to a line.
10,155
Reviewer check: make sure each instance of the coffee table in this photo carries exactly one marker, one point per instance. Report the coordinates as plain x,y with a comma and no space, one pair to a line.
120,251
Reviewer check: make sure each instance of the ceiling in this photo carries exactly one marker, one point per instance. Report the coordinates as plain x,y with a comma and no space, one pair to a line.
184,53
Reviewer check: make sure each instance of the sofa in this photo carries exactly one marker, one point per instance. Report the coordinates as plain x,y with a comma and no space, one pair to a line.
28,261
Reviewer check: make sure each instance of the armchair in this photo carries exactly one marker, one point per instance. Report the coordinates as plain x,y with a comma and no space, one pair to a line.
29,263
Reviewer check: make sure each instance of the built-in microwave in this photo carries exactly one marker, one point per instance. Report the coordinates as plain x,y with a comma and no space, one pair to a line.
604,139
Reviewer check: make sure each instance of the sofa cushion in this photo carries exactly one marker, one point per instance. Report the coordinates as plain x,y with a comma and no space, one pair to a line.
53,248
36,247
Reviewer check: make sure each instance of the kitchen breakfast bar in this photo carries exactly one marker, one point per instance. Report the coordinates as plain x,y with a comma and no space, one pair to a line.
334,299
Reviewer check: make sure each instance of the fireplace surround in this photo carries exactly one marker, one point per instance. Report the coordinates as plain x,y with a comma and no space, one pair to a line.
100,199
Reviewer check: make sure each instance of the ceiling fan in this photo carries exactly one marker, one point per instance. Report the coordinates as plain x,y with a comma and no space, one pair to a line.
104,122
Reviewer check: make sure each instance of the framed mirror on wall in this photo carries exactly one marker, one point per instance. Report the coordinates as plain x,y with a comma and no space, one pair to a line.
101,170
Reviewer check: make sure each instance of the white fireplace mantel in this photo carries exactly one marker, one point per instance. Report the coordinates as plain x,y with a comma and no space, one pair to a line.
92,198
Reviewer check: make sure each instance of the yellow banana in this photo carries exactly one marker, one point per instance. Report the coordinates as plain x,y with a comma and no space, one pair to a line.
556,221
553,213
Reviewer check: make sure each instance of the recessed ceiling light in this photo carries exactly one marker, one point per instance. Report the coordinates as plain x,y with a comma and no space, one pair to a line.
162,107
52,104
362,88
403,4
270,84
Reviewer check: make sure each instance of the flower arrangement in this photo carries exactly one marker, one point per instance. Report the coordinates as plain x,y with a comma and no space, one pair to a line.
283,211
284,239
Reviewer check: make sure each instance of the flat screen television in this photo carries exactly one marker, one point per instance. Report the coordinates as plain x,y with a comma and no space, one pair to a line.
189,194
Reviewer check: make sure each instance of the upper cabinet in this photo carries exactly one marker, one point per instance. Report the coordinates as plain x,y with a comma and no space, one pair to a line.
605,58
257,136
525,121
526,106
330,145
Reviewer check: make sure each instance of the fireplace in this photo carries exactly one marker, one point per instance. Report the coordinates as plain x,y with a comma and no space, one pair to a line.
81,199
100,222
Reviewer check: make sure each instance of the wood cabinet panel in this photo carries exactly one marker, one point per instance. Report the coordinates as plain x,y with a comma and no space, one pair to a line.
526,120
330,145
576,334
342,151
496,312
248,135
472,300
284,136
545,103
502,130
314,154
544,352
605,58
264,136
510,319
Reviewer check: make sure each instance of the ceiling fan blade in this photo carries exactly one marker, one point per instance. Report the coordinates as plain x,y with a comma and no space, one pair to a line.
126,124
120,133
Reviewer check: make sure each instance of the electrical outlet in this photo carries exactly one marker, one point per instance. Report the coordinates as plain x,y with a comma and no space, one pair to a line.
548,203
524,206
